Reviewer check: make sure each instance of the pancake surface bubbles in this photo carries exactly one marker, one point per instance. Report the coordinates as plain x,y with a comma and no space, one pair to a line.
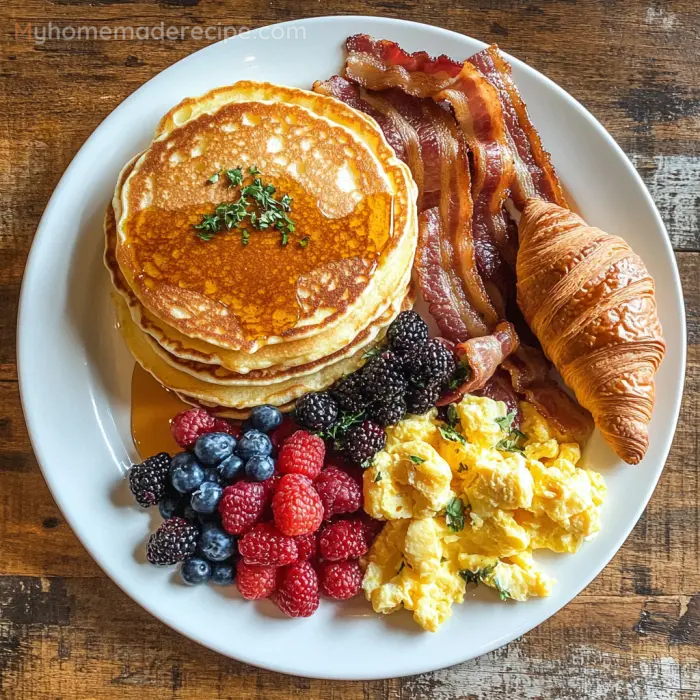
350,202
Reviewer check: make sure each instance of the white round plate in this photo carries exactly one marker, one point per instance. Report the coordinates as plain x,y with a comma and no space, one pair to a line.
75,372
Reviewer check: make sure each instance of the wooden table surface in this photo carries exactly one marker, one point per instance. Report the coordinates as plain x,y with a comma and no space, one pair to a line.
66,631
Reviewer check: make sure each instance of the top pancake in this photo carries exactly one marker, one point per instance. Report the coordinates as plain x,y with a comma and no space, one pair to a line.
351,197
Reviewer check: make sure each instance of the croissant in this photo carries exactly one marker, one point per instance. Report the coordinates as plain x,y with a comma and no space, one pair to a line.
590,301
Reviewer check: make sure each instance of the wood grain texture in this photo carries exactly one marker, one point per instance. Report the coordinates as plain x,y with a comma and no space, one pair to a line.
66,631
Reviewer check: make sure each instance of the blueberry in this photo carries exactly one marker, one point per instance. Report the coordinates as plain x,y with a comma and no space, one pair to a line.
171,504
259,468
223,573
213,448
215,544
212,474
265,418
206,498
230,468
195,571
186,473
254,443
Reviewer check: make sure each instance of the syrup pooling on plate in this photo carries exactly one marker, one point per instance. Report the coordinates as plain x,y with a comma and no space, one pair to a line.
152,407
264,283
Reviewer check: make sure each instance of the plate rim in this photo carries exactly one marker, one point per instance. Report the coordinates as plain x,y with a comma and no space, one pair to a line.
32,420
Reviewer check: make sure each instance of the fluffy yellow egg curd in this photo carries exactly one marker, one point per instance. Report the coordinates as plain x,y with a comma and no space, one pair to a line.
468,501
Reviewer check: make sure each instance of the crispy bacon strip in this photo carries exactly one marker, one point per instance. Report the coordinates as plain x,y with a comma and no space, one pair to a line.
380,65
483,356
442,287
431,145
535,174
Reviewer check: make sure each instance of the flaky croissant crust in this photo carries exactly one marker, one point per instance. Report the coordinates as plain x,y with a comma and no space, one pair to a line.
590,301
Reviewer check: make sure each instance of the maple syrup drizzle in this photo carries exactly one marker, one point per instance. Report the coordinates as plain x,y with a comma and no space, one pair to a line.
152,408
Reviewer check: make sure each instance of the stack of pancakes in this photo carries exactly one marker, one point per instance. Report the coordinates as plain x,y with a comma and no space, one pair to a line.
233,324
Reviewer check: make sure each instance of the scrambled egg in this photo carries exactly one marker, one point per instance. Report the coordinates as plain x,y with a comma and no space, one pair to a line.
468,503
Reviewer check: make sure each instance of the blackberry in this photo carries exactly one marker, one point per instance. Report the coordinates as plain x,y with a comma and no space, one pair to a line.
430,362
173,541
147,481
384,379
363,442
317,411
387,412
349,393
406,331
420,400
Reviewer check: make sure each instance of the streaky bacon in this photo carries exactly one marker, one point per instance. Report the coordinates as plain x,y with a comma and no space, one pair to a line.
482,356
380,65
433,148
442,287
535,174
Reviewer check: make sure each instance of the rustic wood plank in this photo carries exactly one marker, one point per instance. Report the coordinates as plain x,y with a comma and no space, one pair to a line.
67,631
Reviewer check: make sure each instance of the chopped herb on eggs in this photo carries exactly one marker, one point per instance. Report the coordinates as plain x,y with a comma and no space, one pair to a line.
478,576
416,459
454,514
214,178
452,415
449,433
378,478
505,423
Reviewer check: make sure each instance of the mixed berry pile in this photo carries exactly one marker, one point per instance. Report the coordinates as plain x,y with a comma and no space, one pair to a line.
275,504
261,505
407,377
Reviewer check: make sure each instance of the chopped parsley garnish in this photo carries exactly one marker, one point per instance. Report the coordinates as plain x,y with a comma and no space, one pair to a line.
304,241
449,433
461,375
376,351
403,563
454,515
452,415
462,467
512,441
502,592
378,478
342,425
256,205
478,576
416,459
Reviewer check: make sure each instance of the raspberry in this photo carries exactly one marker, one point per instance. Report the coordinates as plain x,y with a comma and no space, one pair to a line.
147,481
370,528
221,425
297,590
173,541
265,545
241,506
188,425
339,492
430,362
340,580
343,540
296,506
307,545
279,435
363,442
255,582
406,331
302,453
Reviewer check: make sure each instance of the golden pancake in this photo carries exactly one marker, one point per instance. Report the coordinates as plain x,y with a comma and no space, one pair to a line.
190,388
352,200
280,356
